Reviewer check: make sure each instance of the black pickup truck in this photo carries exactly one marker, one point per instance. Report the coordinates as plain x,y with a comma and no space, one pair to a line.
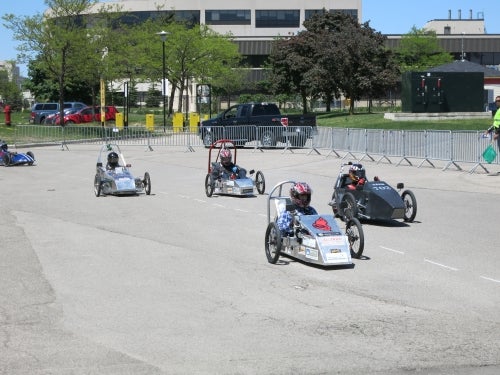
258,122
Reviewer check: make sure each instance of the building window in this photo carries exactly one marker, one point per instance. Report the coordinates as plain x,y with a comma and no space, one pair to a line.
351,12
228,17
277,18
311,12
447,30
191,17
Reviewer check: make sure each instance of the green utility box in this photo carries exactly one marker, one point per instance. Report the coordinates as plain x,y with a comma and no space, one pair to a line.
436,92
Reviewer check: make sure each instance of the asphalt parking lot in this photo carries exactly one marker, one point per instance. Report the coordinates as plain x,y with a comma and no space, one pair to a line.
178,283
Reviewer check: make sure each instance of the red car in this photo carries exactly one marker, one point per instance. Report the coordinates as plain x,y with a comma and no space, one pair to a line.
84,115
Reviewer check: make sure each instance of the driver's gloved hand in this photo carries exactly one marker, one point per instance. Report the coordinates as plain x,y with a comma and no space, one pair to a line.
235,169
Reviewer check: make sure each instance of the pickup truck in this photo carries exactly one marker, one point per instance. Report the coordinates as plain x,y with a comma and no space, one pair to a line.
258,122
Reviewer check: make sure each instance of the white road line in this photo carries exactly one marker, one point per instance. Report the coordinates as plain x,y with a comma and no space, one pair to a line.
239,209
394,251
200,200
440,265
489,279
218,205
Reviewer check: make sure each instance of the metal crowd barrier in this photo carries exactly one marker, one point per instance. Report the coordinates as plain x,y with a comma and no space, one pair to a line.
455,148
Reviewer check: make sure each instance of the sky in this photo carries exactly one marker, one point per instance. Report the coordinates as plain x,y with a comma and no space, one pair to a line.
386,16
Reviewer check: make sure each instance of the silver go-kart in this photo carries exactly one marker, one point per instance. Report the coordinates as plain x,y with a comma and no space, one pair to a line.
225,183
316,239
117,179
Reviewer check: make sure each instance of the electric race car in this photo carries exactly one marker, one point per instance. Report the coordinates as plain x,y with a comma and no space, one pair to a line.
316,239
355,196
113,176
8,158
230,180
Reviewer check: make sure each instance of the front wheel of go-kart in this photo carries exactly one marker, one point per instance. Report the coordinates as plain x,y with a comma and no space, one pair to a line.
410,203
97,185
333,203
273,243
348,207
356,237
209,185
31,155
260,182
147,183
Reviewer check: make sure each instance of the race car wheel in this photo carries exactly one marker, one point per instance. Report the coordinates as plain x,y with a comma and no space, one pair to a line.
260,182
273,243
334,205
97,185
410,205
147,183
209,185
31,155
6,159
356,237
348,208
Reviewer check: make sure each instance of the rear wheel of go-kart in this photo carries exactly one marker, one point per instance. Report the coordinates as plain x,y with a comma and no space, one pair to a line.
273,243
6,159
209,185
348,208
260,182
97,185
410,203
31,155
147,183
356,237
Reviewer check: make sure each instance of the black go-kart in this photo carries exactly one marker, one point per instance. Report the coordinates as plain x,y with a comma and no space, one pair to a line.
372,200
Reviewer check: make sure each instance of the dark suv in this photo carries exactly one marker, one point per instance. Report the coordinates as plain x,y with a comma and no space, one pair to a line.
40,111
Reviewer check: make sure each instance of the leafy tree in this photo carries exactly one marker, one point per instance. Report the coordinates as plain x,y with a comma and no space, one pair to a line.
335,55
419,50
56,45
10,92
192,52
290,60
351,58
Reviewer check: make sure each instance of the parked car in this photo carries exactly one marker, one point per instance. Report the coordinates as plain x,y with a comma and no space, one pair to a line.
40,111
85,115
262,122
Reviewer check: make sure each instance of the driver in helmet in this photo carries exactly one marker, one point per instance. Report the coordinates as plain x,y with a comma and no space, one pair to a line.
300,195
4,149
113,161
226,168
357,176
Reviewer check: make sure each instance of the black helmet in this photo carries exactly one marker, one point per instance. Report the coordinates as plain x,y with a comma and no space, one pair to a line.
113,159
356,171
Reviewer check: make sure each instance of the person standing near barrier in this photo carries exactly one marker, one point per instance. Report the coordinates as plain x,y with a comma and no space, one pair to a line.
497,105
495,128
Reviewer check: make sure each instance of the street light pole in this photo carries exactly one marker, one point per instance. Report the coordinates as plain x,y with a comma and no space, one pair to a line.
163,35
463,55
